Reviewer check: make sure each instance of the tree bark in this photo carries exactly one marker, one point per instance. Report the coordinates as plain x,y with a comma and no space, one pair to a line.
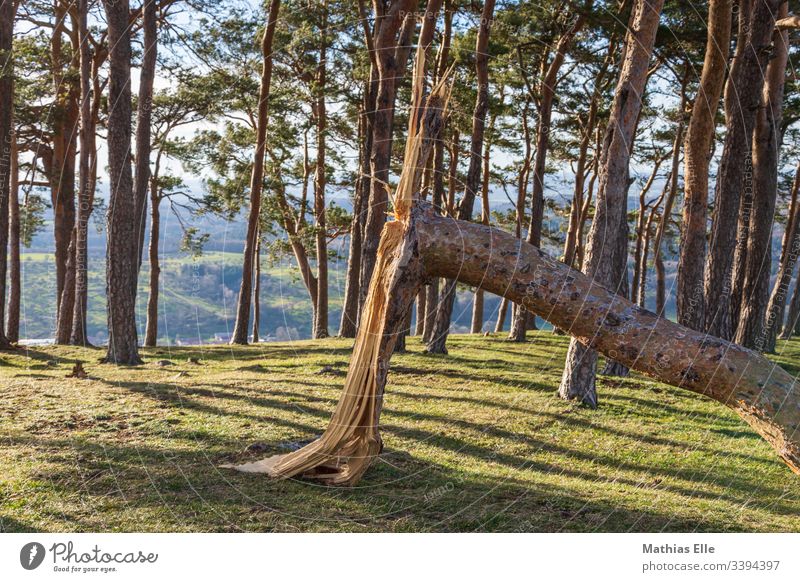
122,241
790,249
7,149
144,111
256,182
86,177
518,328
608,238
698,150
257,292
663,224
151,328
62,164
742,97
426,245
14,266
792,325
438,340
393,28
752,330
320,330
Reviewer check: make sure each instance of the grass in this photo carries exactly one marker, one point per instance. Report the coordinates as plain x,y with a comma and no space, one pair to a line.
473,441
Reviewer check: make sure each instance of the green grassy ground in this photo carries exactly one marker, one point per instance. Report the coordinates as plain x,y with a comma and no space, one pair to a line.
473,441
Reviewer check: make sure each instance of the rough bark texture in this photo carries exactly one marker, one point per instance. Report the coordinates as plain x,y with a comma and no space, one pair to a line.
86,180
607,243
7,150
444,313
320,322
792,325
753,329
790,249
393,27
428,245
742,97
697,157
144,111
151,327
121,247
60,166
256,182
14,266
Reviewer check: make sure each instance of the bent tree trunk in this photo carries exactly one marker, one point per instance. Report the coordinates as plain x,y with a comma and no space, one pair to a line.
425,245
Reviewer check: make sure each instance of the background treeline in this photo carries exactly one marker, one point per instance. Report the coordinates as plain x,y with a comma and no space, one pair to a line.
158,122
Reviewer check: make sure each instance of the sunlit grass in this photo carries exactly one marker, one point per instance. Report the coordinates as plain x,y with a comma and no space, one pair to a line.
475,440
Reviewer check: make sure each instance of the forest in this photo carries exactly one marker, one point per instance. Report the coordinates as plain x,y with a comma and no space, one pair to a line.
620,179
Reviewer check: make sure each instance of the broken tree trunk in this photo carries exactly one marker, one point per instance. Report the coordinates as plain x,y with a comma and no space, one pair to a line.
424,245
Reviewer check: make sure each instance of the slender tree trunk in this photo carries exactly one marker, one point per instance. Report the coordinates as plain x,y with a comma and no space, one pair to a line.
753,329
14,266
501,315
699,148
61,168
438,341
256,182
151,328
257,292
663,224
87,174
122,241
790,249
68,295
478,301
144,110
607,248
518,328
7,149
742,97
321,312
792,325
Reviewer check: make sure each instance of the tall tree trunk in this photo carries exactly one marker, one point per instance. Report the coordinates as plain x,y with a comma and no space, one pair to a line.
7,150
502,313
663,224
86,172
697,157
518,328
790,249
144,110
321,312
439,197
478,301
393,29
122,241
742,97
257,292
438,341
151,328
14,266
792,325
752,330
67,301
608,238
256,182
